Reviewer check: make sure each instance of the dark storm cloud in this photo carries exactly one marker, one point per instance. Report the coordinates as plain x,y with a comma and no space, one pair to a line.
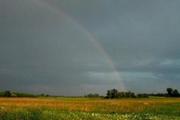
42,51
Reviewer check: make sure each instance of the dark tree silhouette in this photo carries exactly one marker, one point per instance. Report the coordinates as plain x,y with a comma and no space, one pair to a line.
175,93
169,91
7,93
113,93
108,95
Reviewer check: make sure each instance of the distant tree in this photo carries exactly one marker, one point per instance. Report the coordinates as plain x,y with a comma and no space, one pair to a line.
7,93
108,95
42,95
130,94
113,93
175,93
142,95
169,91
121,94
47,95
91,95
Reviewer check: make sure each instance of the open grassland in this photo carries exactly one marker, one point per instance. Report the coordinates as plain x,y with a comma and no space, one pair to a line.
89,109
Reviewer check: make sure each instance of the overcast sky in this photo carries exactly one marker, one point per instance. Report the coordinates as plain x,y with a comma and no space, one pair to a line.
73,47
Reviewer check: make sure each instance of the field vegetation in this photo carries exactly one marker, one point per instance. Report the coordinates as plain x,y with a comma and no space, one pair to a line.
61,108
116,105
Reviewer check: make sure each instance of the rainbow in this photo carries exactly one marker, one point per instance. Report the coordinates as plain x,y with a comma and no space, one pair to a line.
91,38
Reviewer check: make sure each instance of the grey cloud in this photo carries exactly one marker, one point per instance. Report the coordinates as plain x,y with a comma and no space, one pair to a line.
42,50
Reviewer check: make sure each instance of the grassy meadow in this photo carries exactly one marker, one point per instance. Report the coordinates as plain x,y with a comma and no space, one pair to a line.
89,109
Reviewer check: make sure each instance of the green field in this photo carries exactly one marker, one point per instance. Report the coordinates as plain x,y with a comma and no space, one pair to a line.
89,109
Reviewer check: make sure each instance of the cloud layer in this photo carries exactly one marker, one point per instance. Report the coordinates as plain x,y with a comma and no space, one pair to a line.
43,50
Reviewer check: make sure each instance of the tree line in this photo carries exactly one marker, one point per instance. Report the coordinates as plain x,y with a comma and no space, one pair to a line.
111,94
114,93
9,93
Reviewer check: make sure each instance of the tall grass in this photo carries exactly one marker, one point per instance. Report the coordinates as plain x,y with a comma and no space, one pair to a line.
52,114
89,109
